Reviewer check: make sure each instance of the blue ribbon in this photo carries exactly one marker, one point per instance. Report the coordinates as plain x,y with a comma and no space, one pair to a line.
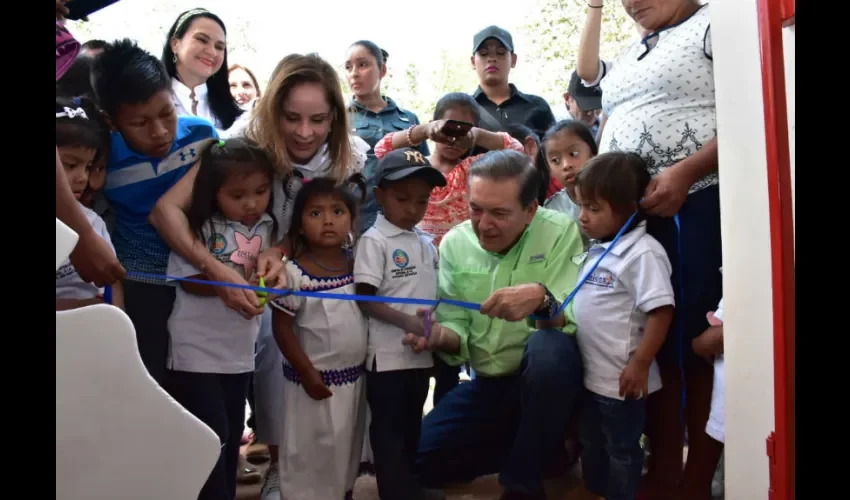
680,322
386,300
583,279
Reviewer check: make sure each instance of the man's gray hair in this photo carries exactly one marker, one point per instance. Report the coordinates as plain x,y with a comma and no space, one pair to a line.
507,164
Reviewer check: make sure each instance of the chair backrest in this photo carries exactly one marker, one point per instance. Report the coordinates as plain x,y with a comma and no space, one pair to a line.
118,433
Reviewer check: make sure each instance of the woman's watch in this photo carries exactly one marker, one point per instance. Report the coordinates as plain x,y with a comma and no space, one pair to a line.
549,308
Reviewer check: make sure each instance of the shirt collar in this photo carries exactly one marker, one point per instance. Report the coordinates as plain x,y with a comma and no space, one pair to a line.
391,105
514,92
181,90
626,241
390,230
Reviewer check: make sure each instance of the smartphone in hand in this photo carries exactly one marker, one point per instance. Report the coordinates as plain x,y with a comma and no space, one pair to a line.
456,128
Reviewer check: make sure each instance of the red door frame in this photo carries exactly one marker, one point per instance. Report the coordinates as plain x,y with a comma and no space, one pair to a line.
772,16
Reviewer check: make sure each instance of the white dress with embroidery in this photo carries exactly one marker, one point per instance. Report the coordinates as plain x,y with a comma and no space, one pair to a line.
268,381
322,441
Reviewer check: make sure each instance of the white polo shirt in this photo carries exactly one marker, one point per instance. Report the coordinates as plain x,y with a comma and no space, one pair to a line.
716,425
398,263
69,284
612,305
205,335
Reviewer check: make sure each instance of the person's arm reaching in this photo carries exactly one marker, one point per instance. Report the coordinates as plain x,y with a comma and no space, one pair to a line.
92,257
169,219
450,324
587,64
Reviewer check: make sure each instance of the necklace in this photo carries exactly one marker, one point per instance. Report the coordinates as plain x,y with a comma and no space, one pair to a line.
329,269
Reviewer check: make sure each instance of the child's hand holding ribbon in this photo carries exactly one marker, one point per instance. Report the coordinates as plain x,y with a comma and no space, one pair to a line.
431,334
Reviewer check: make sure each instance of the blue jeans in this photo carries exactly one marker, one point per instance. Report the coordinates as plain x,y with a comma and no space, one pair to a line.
611,457
513,424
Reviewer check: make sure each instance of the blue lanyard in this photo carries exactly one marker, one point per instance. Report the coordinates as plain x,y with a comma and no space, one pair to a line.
377,298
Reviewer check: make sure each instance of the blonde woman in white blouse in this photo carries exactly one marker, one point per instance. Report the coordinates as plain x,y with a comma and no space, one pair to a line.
195,56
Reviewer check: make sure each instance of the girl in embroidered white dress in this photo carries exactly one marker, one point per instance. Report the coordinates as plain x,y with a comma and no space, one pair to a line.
324,343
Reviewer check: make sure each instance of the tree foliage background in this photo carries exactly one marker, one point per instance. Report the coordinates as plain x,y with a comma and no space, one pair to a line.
554,32
547,38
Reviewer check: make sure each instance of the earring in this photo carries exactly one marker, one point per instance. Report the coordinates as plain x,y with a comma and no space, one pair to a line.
174,59
348,244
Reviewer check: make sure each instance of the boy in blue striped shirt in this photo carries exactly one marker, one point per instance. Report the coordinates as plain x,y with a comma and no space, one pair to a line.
151,149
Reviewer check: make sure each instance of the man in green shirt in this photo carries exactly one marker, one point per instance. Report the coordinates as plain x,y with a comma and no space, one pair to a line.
517,260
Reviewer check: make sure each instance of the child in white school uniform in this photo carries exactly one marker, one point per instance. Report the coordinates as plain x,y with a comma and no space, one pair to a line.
623,311
324,343
709,345
81,140
211,348
394,258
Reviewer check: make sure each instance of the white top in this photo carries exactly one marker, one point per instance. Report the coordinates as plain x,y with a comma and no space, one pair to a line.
182,97
284,193
398,263
332,333
660,104
207,336
716,425
561,202
612,305
69,284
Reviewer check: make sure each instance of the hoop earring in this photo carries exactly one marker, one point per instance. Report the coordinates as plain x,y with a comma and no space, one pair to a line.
348,244
174,59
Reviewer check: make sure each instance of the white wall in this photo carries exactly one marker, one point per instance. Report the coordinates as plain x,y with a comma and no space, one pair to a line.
746,243
790,89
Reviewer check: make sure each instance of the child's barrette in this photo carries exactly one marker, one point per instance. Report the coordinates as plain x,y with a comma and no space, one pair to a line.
73,113
221,143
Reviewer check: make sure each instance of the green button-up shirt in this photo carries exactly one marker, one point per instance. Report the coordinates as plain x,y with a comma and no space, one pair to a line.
546,252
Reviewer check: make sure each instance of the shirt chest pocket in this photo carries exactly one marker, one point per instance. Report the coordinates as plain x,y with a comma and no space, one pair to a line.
530,273
473,287
399,123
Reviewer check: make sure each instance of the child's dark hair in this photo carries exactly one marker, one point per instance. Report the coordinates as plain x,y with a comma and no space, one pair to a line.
76,82
617,177
521,133
78,123
124,73
454,100
579,129
328,187
95,44
219,162
378,53
222,103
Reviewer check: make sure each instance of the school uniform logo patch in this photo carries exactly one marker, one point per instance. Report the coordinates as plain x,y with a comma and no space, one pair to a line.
216,244
601,278
400,258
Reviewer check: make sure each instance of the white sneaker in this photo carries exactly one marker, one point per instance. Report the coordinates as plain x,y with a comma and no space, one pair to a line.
271,486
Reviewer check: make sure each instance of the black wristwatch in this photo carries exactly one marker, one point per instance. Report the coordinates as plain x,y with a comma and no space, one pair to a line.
549,308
